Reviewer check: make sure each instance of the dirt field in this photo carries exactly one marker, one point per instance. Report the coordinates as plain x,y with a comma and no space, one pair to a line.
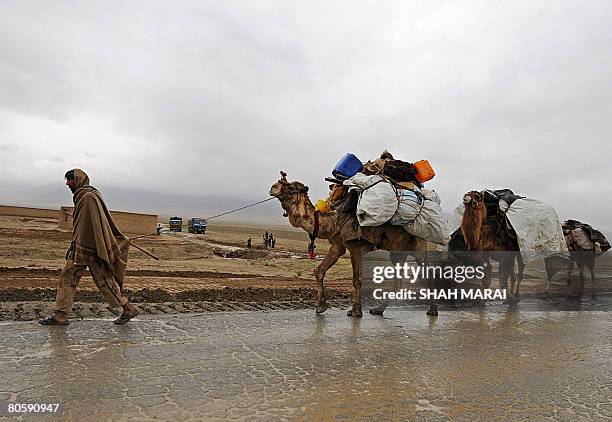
32,254
212,271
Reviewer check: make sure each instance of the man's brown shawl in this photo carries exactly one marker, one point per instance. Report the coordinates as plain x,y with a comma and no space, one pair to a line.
95,237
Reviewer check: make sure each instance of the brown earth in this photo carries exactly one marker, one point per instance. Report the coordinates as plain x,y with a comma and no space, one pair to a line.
191,267
32,254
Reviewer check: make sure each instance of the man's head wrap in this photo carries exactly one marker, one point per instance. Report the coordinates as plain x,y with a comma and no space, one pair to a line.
79,176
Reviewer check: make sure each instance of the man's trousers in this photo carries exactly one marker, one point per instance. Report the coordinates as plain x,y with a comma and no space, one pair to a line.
70,277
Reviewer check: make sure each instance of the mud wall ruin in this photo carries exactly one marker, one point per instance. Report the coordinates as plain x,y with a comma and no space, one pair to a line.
128,222
29,212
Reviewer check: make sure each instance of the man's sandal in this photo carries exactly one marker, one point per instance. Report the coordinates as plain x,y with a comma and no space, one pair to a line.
124,318
52,321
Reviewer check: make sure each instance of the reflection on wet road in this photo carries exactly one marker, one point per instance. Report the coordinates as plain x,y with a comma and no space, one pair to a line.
464,365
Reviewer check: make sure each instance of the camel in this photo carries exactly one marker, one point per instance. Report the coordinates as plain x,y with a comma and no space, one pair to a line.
579,256
494,240
294,199
582,259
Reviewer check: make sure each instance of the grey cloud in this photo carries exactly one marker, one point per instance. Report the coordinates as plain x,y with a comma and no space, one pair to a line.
218,97
9,148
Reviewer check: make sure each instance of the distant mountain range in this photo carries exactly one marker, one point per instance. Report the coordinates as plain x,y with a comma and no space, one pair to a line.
136,200
163,204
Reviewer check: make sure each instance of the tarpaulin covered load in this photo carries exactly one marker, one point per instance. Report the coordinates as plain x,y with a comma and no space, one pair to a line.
377,202
409,201
418,211
537,227
429,223
583,237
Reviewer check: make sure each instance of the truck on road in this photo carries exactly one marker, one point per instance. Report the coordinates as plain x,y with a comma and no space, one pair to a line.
176,224
196,225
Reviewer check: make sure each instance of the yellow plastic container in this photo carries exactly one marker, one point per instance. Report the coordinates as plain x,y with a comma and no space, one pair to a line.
322,206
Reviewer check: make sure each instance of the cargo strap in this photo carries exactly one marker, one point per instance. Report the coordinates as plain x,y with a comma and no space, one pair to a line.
315,230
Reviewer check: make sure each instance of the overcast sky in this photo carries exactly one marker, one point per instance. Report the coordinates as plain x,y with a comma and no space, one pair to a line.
217,97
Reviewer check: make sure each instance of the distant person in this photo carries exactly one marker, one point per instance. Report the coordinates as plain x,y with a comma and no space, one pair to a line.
249,243
159,229
96,244
273,242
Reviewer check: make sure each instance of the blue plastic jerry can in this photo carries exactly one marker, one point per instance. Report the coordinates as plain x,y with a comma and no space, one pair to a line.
347,167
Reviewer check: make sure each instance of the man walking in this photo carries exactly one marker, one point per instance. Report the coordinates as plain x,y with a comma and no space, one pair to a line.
96,244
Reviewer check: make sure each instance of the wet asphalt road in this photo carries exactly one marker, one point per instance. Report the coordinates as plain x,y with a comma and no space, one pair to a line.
292,364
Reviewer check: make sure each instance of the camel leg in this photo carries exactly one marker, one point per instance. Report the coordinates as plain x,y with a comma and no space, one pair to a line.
333,254
521,267
580,280
509,263
396,258
592,271
356,262
486,282
504,274
512,283
433,307
570,270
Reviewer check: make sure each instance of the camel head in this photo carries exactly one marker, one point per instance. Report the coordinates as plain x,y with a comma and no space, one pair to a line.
284,190
473,199
473,219
288,193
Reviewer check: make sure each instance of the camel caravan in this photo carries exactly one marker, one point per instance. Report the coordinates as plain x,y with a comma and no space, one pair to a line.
383,204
